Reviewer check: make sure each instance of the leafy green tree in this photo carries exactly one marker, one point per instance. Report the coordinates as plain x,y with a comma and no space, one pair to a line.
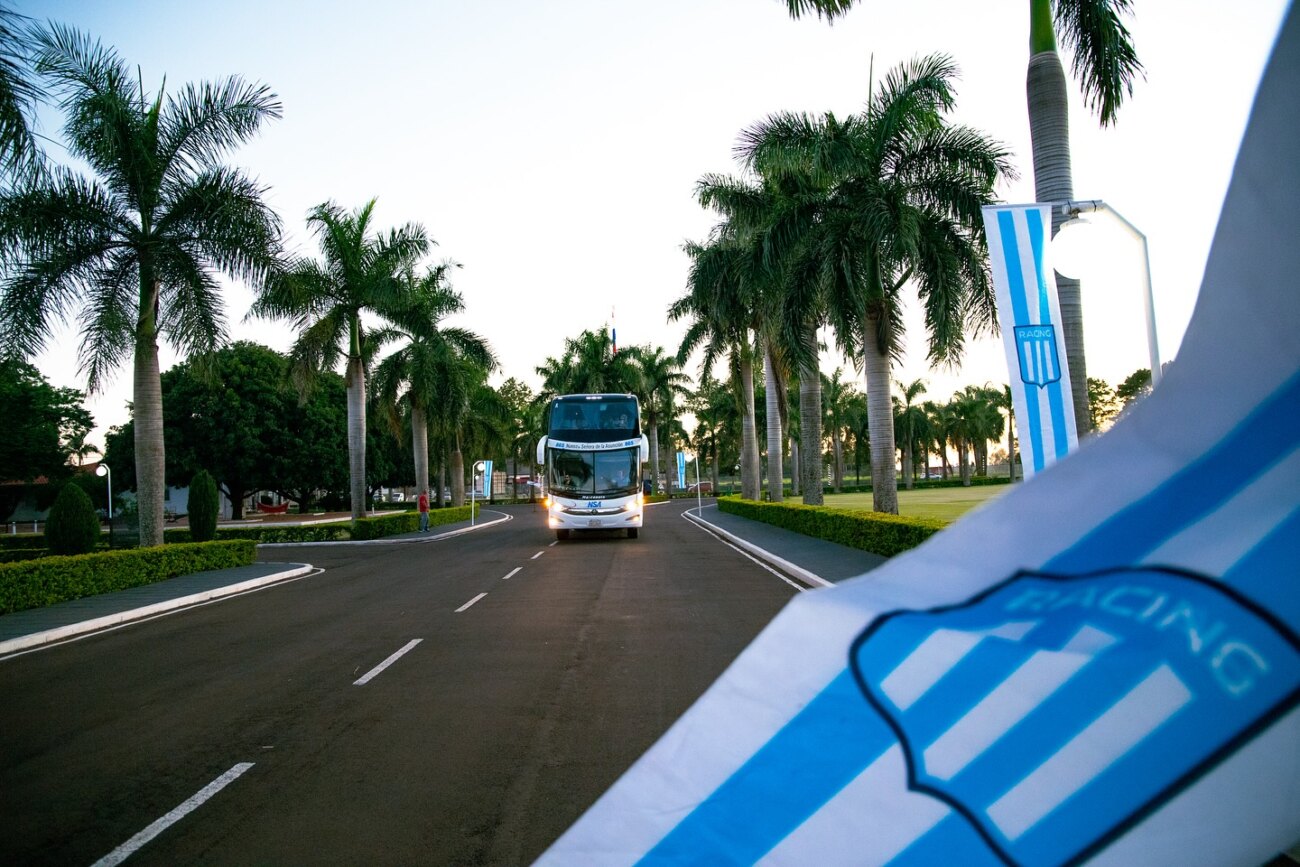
203,507
1103,406
134,247
228,414
314,466
1105,62
42,424
905,192
359,272
1135,386
72,526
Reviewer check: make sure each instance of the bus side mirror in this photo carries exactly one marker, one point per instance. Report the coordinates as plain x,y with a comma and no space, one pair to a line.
645,448
541,450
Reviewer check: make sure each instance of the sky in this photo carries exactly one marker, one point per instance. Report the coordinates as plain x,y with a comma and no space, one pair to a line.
552,149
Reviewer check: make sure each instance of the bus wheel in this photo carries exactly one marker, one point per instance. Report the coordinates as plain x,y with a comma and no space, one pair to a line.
633,532
561,535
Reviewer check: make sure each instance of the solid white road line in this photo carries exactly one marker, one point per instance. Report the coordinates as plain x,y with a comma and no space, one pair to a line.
513,572
469,603
374,672
709,528
127,849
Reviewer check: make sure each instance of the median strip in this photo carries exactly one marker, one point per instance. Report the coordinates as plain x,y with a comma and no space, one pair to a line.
374,672
130,847
469,603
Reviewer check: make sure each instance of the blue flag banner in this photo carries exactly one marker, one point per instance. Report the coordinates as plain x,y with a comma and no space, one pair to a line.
487,479
1030,316
681,469
1100,666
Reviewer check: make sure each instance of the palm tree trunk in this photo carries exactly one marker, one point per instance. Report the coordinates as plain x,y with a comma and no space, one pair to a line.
775,466
420,446
810,424
655,469
796,470
457,474
909,468
749,465
837,451
880,421
150,463
1049,129
1011,445
356,386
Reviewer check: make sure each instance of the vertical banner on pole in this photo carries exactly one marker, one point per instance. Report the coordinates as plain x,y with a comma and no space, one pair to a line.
487,480
681,469
1030,318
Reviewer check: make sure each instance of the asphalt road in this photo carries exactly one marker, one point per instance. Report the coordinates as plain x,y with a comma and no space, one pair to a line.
506,716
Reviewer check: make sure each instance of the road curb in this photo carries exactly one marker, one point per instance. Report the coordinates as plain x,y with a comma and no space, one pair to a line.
71,630
810,578
404,540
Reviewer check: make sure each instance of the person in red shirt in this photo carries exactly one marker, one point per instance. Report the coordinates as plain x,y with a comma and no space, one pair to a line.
422,503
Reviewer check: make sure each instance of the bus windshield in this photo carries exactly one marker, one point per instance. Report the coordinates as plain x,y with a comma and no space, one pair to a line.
594,418
594,474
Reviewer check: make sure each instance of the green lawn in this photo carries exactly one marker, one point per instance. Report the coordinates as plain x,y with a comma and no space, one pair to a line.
945,504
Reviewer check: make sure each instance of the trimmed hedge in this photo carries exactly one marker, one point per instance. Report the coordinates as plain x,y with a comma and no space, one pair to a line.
50,580
407,522
334,531
22,542
878,533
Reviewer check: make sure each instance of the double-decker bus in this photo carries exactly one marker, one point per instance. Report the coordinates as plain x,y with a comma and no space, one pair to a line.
593,451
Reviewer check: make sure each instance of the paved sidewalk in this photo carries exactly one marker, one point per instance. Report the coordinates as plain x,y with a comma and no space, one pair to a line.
816,562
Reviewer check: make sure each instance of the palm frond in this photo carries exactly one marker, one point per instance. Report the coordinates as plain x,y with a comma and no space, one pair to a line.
1105,61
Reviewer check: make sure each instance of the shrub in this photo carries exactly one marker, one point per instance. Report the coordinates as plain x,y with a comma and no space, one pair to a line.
407,522
73,526
203,507
50,580
878,533
331,532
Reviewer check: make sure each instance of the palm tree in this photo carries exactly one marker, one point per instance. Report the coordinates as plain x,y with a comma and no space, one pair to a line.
422,365
134,247
588,365
720,304
360,271
20,158
906,191
1106,63
912,417
772,222
837,397
660,382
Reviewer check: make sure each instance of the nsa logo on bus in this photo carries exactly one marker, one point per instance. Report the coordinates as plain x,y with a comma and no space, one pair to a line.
1054,712
1036,348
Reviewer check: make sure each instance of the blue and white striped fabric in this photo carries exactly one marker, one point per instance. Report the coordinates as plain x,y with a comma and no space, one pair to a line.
1102,665
1030,316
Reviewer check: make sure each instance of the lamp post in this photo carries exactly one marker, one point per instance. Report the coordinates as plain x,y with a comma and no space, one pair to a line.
1072,210
104,470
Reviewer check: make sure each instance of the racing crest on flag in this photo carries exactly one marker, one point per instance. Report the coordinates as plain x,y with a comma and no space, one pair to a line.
1040,363
1054,712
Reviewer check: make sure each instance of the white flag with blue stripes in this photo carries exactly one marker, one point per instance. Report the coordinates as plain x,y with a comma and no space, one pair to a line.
1101,666
1030,316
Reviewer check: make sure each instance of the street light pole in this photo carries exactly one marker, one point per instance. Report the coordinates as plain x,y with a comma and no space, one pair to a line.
104,470
1072,210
